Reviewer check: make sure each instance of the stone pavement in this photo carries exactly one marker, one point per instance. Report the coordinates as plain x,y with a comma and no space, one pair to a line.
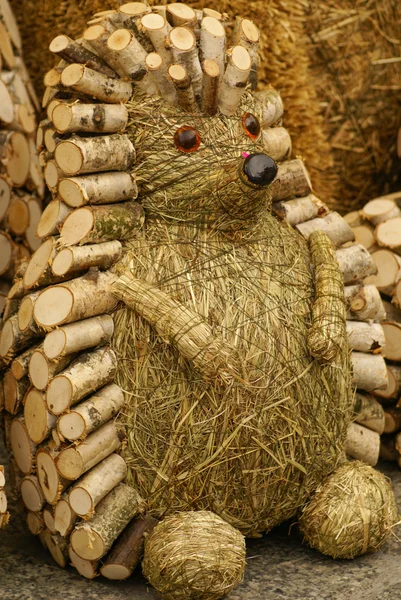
279,568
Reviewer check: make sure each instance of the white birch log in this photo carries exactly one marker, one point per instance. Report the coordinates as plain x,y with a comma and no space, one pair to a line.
300,209
96,154
5,197
42,370
19,366
35,522
52,175
277,143
388,234
369,371
369,412
157,70
364,234
91,414
51,483
210,87
74,52
272,106
48,518
93,539
126,54
363,444
392,334
393,389
52,217
365,337
96,484
364,303
388,267
380,210
178,15
18,215
212,42
74,259
333,224
58,547
103,188
96,85
86,568
182,42
38,421
96,331
14,392
292,179
23,449
185,92
90,118
15,156
234,80
38,272
392,420
81,298
355,263
76,460
247,35
157,29
13,340
88,372
31,494
64,516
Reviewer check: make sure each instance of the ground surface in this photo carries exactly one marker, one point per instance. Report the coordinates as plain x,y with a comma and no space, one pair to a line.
279,568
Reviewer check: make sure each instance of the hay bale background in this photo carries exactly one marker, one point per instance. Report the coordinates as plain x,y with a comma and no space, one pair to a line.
284,61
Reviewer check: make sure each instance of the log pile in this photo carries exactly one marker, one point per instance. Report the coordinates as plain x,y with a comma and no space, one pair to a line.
377,226
21,180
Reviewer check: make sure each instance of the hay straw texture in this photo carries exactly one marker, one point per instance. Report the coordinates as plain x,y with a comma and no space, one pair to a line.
351,514
194,555
284,62
355,56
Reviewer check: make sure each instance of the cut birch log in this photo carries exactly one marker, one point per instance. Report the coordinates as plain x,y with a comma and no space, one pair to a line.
393,389
365,337
388,267
91,540
247,35
92,118
369,412
14,392
11,308
35,212
95,485
84,80
392,334
51,139
388,234
10,23
48,518
38,421
182,84
64,516
32,494
212,43
364,234
74,52
157,29
5,197
107,222
333,224
52,217
95,154
388,450
393,313
74,259
234,80
292,180
364,303
35,522
277,143
363,444
182,42
82,335
178,15
86,568
355,263
88,372
25,312
157,70
74,461
52,77
23,449
51,482
52,175
128,550
126,54
392,420
18,215
15,156
380,210
81,298
369,371
91,414
272,106
38,272
210,87
58,547
104,188
12,340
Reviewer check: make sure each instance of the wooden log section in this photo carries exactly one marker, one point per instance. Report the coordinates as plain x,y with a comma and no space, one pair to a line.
178,14
103,188
35,522
126,54
393,389
388,267
76,460
25,312
157,70
210,87
64,516
365,337
292,180
363,444
234,80
5,197
131,10
6,105
277,143
18,215
388,234
86,81
35,212
23,449
369,412
380,210
94,224
272,106
392,419
74,259
13,340
32,494
82,335
182,42
14,392
88,372
42,370
74,52
38,272
85,495
355,263
185,91
86,568
48,518
364,303
157,29
212,42
93,539
392,334
38,421
52,175
15,156
10,308
369,371
128,550
11,256
58,548
393,313
51,482
247,35
364,234
333,224
52,217
91,414
81,298
92,118
95,154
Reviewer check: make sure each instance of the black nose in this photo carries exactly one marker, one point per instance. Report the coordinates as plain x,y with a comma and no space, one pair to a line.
260,169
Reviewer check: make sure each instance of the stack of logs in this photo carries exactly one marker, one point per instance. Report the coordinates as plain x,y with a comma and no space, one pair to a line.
60,397
21,181
378,228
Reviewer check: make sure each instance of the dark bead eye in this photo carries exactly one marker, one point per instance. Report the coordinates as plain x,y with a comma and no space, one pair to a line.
187,139
251,125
